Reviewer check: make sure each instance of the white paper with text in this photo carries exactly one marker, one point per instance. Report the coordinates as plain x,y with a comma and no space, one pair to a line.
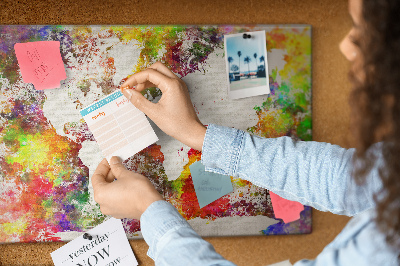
108,247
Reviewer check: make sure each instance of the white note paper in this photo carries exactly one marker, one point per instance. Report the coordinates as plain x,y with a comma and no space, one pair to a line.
108,247
118,126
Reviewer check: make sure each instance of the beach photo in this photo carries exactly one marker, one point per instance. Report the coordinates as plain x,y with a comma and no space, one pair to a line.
246,64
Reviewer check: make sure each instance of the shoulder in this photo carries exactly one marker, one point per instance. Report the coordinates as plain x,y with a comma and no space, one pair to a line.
362,241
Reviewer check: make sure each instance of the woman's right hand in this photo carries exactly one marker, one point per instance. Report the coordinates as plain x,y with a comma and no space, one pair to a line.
174,113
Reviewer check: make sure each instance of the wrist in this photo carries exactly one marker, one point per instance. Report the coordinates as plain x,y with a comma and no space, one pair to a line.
196,137
148,203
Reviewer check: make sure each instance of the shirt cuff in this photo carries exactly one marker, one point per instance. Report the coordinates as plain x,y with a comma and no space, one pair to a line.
159,218
221,149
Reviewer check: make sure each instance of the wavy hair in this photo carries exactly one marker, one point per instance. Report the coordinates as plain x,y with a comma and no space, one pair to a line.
375,103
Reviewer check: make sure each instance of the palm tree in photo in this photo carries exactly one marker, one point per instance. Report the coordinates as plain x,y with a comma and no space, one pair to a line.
247,60
261,72
239,54
262,59
230,60
234,68
255,58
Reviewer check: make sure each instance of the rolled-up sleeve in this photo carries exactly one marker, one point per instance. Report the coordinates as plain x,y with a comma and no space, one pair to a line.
312,173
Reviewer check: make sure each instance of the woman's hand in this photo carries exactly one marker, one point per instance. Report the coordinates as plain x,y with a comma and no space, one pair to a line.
174,113
128,196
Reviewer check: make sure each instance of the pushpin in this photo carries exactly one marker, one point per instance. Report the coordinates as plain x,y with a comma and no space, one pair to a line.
246,36
87,236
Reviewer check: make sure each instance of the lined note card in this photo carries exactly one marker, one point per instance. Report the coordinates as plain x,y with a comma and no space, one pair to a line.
118,126
41,64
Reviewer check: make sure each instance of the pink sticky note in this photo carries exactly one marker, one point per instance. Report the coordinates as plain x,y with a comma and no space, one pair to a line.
41,64
286,210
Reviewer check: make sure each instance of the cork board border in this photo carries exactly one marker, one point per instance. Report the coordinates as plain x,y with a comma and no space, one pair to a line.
331,113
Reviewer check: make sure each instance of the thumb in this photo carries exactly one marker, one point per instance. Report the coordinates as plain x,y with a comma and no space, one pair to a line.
139,101
117,167
99,176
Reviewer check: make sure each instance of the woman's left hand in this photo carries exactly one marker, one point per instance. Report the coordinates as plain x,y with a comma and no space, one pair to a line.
127,197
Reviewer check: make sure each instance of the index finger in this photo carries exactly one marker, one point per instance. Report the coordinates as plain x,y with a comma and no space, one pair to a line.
151,75
100,174
160,67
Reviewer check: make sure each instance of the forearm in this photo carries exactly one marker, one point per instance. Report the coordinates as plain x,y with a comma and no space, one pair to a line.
312,173
172,241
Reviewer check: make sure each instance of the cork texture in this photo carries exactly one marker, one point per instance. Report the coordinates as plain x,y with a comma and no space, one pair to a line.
331,88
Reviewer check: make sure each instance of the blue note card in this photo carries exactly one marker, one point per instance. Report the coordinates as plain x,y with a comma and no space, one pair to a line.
209,186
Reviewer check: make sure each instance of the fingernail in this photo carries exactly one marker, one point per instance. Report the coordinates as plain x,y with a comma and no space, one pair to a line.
115,160
128,93
124,87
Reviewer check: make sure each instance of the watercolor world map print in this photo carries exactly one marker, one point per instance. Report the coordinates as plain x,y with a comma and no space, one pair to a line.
48,154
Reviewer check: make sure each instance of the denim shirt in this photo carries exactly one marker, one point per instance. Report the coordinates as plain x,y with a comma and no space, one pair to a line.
312,173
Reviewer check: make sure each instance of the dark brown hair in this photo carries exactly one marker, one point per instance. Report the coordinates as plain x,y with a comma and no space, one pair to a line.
376,106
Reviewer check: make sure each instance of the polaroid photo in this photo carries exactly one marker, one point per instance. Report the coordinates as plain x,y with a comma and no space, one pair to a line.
246,64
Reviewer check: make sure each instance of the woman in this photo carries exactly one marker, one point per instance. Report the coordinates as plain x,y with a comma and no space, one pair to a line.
363,183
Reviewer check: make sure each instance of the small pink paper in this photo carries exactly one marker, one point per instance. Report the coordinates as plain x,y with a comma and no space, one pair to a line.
284,209
41,64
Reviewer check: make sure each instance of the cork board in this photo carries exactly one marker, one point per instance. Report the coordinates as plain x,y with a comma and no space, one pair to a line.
49,153
330,93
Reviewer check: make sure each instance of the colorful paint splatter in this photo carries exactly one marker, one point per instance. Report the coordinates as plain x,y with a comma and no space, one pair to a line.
47,153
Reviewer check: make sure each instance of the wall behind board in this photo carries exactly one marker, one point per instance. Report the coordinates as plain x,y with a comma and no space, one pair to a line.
331,113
